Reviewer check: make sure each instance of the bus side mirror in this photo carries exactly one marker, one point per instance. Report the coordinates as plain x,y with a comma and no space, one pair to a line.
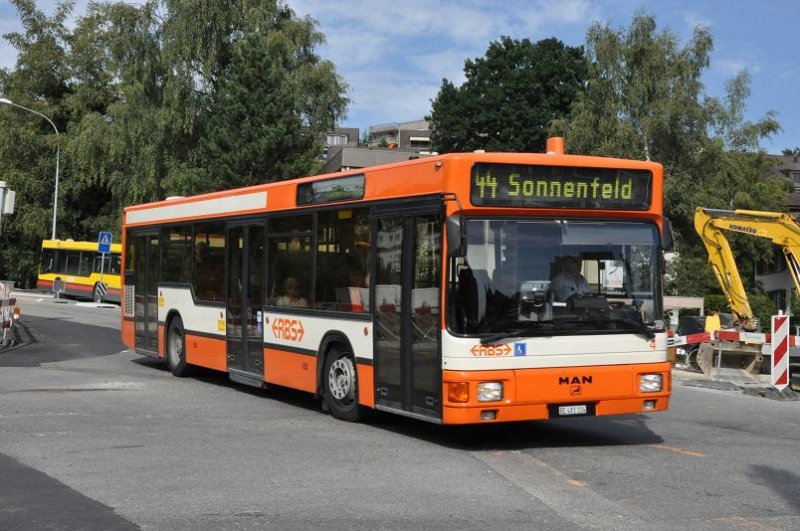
667,241
456,236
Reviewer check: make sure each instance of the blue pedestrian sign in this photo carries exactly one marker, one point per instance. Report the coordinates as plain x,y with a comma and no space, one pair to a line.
104,242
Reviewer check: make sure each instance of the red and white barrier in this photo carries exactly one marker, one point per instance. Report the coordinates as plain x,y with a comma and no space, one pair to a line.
7,302
779,339
727,335
779,361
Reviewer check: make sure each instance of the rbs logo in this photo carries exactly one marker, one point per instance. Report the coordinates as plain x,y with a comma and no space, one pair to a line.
288,329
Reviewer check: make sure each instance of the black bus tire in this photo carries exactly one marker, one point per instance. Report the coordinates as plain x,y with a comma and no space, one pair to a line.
340,386
176,348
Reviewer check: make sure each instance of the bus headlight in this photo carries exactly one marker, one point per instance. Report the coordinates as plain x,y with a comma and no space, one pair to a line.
490,391
650,383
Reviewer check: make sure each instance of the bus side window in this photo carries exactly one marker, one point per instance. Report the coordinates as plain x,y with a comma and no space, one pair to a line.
176,265
290,255
209,261
343,243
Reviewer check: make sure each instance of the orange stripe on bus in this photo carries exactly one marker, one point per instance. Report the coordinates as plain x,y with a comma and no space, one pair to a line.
289,369
161,332
366,385
528,392
206,352
128,333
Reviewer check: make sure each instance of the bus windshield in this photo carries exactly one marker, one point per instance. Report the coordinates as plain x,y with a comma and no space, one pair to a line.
555,277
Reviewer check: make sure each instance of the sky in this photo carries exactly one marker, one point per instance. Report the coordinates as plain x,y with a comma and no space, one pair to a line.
393,56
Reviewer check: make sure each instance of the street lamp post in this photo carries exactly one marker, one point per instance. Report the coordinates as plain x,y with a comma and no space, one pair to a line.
6,101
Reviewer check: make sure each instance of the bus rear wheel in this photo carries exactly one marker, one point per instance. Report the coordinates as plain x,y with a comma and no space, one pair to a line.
176,348
341,386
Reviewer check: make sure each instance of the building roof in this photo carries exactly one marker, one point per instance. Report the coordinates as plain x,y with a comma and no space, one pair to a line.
343,157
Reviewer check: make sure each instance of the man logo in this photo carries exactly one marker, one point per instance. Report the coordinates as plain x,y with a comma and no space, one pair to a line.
575,390
566,380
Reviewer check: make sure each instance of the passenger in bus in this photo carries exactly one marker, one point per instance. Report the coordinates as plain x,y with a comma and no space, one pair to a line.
291,297
569,281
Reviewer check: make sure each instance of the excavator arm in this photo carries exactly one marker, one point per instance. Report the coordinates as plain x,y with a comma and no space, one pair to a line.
780,228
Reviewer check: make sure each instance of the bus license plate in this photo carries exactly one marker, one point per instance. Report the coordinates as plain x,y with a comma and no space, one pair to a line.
564,411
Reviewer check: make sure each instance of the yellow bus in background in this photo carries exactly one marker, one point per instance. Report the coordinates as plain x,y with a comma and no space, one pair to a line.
78,266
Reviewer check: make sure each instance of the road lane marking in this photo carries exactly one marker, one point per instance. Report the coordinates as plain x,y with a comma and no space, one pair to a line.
564,495
677,450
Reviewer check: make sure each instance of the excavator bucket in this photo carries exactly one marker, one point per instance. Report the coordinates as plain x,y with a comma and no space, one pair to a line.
733,361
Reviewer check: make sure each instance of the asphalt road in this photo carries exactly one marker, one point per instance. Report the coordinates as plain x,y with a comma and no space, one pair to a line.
95,437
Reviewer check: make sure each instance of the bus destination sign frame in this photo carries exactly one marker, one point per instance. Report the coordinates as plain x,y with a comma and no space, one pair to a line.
543,186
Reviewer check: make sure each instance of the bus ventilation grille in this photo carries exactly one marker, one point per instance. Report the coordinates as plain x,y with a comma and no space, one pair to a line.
129,294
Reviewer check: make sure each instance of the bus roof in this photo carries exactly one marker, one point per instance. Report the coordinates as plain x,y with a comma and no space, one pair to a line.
388,181
69,245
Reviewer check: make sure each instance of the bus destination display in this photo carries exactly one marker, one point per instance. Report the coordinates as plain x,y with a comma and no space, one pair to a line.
517,185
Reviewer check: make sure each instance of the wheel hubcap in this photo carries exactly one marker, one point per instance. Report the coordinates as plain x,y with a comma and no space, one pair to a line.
175,347
341,379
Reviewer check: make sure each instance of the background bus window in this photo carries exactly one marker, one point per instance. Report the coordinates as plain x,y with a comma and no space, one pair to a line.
109,266
73,263
61,262
176,254
115,266
209,261
343,245
48,264
86,263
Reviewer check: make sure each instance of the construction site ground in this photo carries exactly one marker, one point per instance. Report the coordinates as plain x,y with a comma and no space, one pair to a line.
734,381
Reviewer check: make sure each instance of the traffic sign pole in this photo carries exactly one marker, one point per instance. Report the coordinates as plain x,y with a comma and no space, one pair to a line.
103,247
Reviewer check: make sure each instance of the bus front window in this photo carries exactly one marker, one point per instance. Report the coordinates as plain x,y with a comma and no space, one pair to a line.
556,277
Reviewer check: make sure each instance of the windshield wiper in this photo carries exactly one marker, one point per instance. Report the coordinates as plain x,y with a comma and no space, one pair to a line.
534,328
637,326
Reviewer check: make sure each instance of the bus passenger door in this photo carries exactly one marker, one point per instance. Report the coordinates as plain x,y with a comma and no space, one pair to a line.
145,302
245,300
407,292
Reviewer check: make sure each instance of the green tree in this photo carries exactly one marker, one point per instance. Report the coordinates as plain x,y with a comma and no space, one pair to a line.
134,90
265,123
509,98
645,100
28,143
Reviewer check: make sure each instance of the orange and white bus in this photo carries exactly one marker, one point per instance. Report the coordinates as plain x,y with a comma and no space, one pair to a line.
457,289
80,269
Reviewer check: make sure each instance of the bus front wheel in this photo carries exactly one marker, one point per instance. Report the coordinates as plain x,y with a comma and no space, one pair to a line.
341,386
176,348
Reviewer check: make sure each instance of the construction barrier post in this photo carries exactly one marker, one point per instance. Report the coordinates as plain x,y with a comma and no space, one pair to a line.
779,363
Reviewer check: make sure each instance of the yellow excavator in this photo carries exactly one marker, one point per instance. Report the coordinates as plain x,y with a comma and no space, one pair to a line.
711,225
